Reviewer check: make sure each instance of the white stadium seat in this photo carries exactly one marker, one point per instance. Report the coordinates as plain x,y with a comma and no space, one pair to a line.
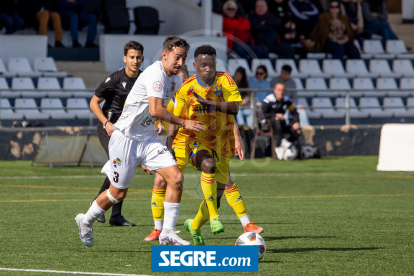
396,106
357,68
302,103
316,84
28,108
371,104
79,107
354,112
339,86
311,68
6,112
4,72
382,68
221,66
48,84
54,108
410,106
407,83
362,84
391,85
3,84
22,84
234,63
395,47
73,84
266,63
374,48
47,67
298,82
334,67
21,67
403,67
323,105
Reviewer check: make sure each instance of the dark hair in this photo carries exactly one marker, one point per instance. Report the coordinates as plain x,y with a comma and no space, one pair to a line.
287,68
339,7
173,41
264,69
205,50
243,83
133,45
185,71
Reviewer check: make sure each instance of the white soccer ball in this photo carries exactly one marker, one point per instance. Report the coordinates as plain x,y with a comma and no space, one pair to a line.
250,238
290,153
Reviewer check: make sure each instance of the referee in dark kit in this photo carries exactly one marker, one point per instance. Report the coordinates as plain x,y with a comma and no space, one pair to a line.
114,90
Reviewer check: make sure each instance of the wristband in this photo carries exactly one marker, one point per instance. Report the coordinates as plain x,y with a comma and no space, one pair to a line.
106,123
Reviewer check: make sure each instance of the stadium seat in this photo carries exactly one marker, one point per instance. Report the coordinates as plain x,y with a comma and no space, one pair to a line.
265,62
316,55
3,84
33,94
79,107
372,105
318,87
357,68
395,47
10,94
221,66
323,105
295,73
48,84
407,83
354,112
83,94
4,72
396,106
311,68
21,67
234,63
382,68
6,112
339,85
22,84
391,85
298,82
73,84
47,67
58,94
403,67
303,103
54,108
374,48
335,68
27,107
362,84
410,106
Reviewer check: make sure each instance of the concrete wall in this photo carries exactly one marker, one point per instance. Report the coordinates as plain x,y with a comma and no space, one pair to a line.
29,46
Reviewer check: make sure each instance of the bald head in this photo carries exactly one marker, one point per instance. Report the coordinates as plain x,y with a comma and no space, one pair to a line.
279,91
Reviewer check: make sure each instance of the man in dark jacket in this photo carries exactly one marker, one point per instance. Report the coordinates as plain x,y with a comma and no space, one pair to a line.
264,26
306,14
9,17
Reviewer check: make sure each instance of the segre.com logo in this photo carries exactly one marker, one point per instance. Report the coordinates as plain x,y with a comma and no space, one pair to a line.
215,258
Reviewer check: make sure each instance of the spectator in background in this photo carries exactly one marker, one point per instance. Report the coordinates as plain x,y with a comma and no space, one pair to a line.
353,9
183,73
244,117
306,14
375,16
218,7
333,33
236,29
264,25
320,5
72,11
9,17
39,12
260,82
280,8
288,82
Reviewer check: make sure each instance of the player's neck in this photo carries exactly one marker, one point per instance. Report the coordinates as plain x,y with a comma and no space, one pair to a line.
208,82
168,72
130,73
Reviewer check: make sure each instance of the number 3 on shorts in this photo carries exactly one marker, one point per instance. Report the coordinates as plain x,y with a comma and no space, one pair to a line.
116,177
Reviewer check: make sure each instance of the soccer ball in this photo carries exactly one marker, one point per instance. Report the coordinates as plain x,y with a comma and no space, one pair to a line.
250,238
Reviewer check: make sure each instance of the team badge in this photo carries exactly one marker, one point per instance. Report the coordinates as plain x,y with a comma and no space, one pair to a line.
116,162
218,90
157,86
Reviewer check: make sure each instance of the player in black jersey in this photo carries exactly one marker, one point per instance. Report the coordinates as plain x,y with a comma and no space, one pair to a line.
114,90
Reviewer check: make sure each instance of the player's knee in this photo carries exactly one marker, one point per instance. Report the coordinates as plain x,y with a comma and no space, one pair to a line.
177,181
116,196
160,183
209,166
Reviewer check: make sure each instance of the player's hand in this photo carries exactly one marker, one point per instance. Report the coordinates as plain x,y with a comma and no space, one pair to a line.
198,98
159,127
109,128
296,126
145,169
239,147
194,125
279,116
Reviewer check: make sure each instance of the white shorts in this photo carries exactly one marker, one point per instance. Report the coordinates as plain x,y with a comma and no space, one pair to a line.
126,154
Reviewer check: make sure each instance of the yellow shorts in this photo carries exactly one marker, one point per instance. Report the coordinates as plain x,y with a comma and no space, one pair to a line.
222,162
181,157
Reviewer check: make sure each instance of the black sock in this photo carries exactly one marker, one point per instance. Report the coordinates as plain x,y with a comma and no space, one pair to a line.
116,209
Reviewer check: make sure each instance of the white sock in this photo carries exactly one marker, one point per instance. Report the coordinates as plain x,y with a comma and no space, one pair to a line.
158,224
171,211
93,213
244,220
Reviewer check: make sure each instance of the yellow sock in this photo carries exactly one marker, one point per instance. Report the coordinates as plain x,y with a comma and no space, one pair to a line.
157,203
209,187
202,216
235,200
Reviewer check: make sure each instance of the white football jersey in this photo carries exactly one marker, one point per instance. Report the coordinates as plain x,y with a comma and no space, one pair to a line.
136,121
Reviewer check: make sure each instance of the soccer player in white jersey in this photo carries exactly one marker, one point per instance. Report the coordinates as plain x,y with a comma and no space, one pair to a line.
134,141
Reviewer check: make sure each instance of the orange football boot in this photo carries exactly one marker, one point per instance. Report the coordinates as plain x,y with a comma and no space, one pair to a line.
251,227
154,235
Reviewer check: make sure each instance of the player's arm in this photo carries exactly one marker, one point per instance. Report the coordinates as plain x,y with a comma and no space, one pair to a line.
239,146
295,116
96,108
231,108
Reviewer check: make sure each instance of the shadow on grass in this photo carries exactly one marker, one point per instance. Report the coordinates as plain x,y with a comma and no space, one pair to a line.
298,237
296,250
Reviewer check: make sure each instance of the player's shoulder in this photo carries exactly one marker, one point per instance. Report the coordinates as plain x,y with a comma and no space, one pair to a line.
270,98
114,76
188,82
226,77
286,99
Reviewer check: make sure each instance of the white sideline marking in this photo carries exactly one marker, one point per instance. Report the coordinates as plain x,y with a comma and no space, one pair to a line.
67,272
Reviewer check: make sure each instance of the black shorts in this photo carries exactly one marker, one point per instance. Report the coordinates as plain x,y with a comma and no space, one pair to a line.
103,137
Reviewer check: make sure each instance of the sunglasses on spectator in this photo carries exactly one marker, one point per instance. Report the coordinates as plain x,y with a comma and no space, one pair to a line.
231,9
334,7
260,73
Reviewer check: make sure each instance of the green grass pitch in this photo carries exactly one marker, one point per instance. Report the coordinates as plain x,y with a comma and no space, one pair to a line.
335,216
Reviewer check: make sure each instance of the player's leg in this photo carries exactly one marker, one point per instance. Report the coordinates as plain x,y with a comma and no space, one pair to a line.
204,160
157,206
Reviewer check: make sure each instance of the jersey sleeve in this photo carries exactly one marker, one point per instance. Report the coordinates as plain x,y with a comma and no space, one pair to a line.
154,85
230,90
170,106
180,101
107,86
